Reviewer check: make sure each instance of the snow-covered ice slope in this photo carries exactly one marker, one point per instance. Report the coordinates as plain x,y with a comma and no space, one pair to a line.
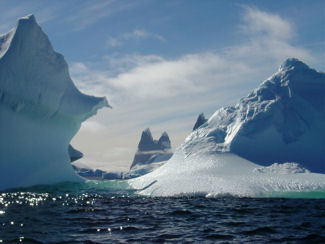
211,174
281,121
40,109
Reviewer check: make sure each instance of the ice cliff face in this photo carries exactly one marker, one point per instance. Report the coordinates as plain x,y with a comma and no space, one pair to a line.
152,151
200,121
40,109
281,121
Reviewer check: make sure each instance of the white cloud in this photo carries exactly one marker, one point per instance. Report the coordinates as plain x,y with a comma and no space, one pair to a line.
92,126
153,76
127,62
113,42
143,34
135,35
267,25
270,39
188,74
78,68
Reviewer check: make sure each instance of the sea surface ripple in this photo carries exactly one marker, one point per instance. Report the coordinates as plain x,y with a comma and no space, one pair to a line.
74,214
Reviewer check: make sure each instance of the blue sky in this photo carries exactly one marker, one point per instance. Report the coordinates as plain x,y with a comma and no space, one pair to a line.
161,63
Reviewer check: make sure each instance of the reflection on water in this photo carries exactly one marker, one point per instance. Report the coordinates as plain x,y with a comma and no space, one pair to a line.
111,212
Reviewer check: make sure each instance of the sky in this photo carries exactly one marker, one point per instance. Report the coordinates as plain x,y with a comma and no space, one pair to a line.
161,63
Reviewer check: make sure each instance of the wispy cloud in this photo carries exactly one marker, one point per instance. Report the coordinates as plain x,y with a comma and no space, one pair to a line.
92,126
266,24
154,76
77,15
90,12
136,35
43,11
270,38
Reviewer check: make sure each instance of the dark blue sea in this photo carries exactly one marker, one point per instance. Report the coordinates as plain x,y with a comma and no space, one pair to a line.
110,213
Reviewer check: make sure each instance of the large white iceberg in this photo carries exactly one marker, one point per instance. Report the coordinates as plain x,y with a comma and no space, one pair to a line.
281,121
40,109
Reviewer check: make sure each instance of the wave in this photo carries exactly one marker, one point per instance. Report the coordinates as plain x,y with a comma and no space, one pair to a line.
111,186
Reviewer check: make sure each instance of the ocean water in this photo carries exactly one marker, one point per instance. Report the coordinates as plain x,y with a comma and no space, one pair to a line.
109,212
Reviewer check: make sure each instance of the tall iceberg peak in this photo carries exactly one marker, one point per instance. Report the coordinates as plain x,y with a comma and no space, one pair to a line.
164,141
293,63
33,74
152,151
200,121
29,20
40,108
281,121
146,142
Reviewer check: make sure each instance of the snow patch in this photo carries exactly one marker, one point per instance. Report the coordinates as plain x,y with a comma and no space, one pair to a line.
284,168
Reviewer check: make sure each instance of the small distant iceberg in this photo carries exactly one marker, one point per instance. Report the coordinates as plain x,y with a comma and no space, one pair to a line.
88,173
152,151
151,154
200,121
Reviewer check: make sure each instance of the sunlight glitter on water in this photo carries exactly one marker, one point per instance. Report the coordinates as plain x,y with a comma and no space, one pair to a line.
103,217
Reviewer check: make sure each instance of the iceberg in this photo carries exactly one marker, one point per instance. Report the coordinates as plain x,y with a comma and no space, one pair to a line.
281,121
244,149
151,154
205,172
200,121
40,109
152,151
